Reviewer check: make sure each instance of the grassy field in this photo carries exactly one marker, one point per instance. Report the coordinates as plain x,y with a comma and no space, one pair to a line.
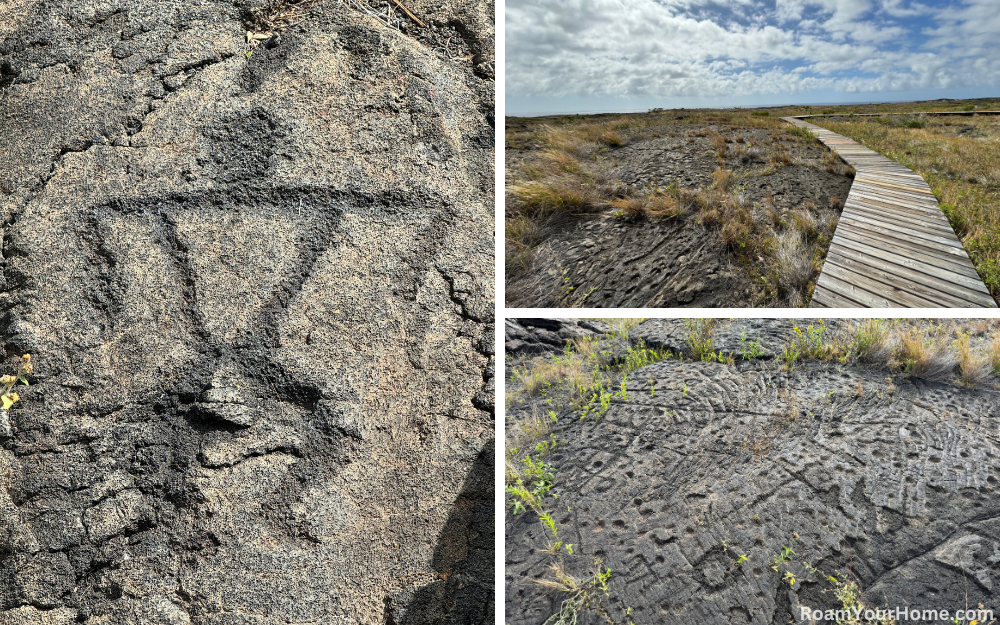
568,176
563,170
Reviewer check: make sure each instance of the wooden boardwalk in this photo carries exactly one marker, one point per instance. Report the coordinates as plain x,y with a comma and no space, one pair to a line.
893,247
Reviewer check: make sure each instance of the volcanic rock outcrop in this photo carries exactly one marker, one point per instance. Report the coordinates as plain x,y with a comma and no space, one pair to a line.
722,493
257,286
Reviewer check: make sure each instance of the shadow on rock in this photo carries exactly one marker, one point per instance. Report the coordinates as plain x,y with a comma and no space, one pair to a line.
463,560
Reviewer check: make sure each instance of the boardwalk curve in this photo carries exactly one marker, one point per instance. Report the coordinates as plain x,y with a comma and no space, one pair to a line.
893,247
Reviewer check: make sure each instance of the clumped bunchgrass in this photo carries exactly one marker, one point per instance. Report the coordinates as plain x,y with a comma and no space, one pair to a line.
795,267
973,366
960,159
699,338
871,340
961,352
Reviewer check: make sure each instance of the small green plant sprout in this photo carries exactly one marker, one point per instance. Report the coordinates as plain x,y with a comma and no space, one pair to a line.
545,446
779,559
10,381
552,415
790,578
749,351
585,296
549,522
790,354
740,560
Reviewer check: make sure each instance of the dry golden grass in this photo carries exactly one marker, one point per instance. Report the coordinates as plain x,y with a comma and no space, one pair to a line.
540,198
963,170
973,366
780,157
723,179
567,174
914,352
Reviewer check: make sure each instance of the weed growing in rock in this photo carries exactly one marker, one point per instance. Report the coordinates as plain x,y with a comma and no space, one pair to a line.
848,593
10,381
750,351
810,342
699,337
789,355
780,558
583,593
529,490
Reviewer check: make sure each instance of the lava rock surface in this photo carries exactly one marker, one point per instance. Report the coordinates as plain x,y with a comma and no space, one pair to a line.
259,294
890,481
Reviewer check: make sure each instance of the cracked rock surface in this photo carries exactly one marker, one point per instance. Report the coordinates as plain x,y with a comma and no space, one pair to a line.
259,298
893,482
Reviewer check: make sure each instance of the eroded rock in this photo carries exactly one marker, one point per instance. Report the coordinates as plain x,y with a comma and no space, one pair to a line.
889,481
258,293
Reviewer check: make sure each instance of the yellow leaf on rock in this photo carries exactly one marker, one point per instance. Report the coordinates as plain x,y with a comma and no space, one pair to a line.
7,402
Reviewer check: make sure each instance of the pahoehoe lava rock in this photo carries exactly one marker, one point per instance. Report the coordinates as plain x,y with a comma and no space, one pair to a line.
895,481
259,298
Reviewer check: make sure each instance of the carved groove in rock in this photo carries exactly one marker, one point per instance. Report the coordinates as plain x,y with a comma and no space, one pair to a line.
259,298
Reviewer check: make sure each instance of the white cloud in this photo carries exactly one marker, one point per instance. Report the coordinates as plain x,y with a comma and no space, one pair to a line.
699,48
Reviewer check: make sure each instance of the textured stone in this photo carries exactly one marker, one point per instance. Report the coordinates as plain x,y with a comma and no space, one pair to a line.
892,480
258,293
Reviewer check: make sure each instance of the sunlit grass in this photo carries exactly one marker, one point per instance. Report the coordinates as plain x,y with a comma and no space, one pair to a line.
568,173
962,169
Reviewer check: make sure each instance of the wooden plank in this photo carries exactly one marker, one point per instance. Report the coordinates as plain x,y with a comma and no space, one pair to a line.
925,199
885,198
881,229
825,298
889,177
926,262
892,290
905,219
882,188
933,296
898,172
941,245
904,215
875,203
915,270
850,291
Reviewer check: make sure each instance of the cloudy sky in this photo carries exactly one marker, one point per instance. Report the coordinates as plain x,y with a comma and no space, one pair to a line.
599,55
